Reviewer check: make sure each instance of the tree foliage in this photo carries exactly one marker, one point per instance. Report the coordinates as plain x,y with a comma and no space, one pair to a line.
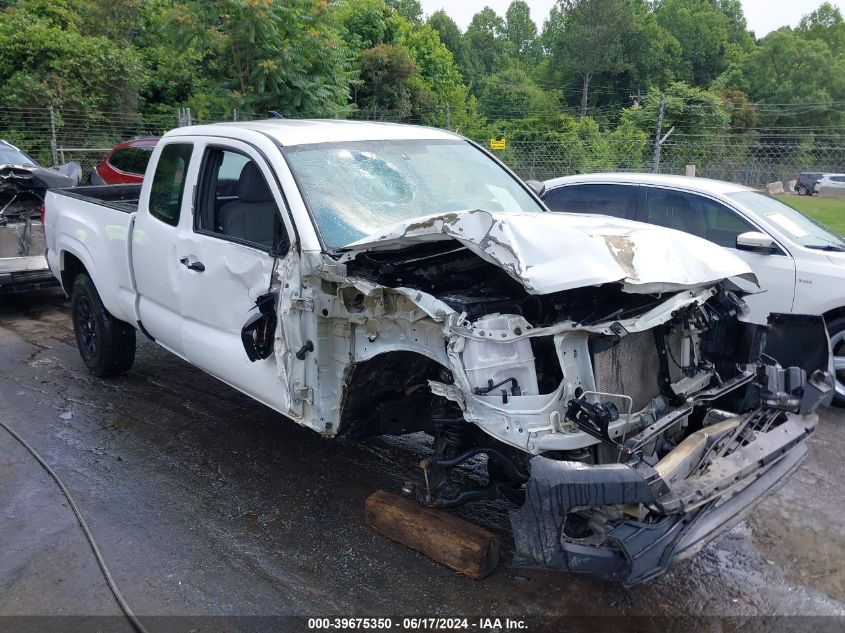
485,44
590,38
46,58
385,59
704,31
787,68
521,31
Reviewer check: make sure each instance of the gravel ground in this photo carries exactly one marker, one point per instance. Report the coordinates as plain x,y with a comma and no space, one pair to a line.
204,502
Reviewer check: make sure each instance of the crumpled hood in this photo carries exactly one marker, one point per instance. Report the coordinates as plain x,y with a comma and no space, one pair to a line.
551,252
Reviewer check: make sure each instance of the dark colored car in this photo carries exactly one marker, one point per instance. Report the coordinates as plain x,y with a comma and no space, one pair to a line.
806,183
125,163
23,184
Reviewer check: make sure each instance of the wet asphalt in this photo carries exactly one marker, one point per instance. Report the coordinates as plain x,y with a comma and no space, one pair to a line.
205,502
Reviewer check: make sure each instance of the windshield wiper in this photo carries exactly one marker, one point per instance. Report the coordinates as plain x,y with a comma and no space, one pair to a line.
827,247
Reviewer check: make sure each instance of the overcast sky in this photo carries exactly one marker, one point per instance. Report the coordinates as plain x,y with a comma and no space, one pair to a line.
762,15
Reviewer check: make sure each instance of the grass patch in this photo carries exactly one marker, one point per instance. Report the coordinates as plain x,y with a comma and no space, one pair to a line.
829,212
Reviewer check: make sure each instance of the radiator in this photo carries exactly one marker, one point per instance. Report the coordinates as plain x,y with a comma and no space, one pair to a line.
631,367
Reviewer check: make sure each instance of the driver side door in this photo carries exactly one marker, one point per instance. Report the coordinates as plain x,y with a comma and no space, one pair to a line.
235,242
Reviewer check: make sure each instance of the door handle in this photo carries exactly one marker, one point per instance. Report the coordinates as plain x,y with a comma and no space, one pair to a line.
197,266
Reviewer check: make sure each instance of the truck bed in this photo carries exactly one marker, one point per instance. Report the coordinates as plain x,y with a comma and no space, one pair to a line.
120,197
95,223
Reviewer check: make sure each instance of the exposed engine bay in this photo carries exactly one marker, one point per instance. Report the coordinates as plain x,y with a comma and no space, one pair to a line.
598,410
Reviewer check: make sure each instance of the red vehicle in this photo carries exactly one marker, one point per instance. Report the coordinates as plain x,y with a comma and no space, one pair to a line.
126,162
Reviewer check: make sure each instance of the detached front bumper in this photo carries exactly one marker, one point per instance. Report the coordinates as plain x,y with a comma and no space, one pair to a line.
684,513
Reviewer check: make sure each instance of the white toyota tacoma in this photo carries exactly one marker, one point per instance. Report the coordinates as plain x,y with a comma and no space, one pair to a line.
369,278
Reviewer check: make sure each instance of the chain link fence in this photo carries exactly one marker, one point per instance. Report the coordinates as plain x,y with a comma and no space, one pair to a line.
753,162
54,136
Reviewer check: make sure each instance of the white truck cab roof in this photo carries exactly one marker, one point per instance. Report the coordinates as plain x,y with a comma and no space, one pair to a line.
288,132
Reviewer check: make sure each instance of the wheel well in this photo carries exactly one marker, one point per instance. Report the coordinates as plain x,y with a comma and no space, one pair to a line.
830,315
71,267
383,382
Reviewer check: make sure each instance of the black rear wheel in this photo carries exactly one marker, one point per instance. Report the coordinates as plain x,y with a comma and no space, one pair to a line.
106,344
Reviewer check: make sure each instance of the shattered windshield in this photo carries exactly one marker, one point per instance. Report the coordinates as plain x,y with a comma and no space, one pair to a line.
354,189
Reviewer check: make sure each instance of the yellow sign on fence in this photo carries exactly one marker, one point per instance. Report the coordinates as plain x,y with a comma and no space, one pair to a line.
497,143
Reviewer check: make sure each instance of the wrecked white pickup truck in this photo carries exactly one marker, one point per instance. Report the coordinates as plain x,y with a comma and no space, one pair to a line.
366,279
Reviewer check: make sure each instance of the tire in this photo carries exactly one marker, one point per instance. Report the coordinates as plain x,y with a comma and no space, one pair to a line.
836,329
94,179
803,191
106,344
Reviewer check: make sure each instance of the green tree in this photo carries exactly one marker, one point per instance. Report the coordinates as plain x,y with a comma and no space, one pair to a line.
448,103
738,33
521,30
511,93
411,10
700,115
485,44
790,68
688,109
651,49
742,111
364,24
282,56
389,82
179,53
45,59
436,64
825,24
449,33
570,145
703,31
587,37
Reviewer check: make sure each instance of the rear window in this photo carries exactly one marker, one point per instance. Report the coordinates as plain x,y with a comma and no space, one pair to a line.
169,182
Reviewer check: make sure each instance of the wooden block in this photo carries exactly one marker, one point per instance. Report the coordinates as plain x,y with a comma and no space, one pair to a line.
461,545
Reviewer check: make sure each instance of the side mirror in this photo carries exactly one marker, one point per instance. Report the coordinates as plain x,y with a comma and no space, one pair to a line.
259,332
536,186
756,242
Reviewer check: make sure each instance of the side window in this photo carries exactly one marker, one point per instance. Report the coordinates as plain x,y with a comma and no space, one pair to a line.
120,159
695,214
169,182
838,179
618,201
140,158
236,202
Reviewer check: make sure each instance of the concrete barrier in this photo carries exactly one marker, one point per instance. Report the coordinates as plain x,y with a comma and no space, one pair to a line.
775,188
836,193
790,186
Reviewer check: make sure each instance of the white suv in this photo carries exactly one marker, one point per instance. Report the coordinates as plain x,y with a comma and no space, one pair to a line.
799,262
831,181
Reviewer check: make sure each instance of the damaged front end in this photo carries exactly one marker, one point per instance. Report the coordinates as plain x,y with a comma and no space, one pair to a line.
23,265
633,417
685,478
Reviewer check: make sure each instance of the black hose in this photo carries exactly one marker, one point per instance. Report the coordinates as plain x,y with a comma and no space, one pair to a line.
133,619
